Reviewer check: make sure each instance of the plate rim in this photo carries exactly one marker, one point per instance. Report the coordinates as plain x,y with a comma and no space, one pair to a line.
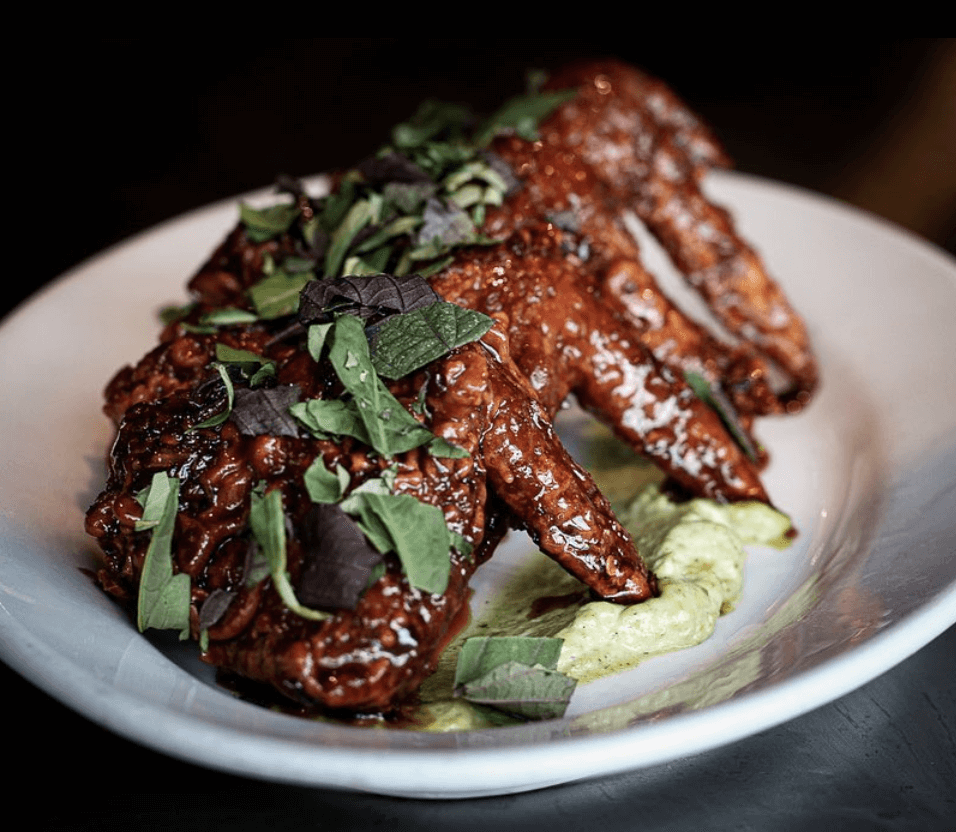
932,618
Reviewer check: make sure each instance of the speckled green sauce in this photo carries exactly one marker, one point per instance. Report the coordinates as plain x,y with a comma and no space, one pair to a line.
696,550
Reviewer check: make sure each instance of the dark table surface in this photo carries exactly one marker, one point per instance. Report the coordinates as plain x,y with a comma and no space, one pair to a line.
134,133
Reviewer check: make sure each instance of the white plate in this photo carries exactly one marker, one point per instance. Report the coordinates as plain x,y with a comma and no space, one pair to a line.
868,472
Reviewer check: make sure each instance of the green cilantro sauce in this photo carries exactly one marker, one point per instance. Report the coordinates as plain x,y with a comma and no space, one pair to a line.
696,550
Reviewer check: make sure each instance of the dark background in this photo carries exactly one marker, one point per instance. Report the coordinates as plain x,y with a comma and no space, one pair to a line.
125,134
129,133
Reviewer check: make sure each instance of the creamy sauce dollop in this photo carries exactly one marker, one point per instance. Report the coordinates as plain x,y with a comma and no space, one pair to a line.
696,549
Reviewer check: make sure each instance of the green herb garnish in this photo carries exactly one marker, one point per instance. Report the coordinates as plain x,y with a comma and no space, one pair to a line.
517,675
267,521
223,415
714,397
405,343
371,414
265,223
277,294
413,530
164,597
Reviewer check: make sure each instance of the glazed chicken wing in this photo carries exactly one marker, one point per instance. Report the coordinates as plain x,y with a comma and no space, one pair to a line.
530,235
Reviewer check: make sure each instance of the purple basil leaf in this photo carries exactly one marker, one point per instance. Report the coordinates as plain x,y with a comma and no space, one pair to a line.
338,559
214,607
392,167
265,410
366,296
446,223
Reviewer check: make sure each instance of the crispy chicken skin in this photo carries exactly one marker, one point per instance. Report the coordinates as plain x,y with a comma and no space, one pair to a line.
575,314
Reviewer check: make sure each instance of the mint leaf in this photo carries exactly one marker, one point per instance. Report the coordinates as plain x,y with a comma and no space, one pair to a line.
405,343
164,598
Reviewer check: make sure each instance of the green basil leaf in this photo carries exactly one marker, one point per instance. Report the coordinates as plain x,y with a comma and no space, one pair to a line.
714,397
430,120
522,115
529,692
413,530
359,215
164,598
221,417
327,418
228,316
265,223
484,653
398,227
277,294
323,485
267,521
317,335
516,675
390,427
256,368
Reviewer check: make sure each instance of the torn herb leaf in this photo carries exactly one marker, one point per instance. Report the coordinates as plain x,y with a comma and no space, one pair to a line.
328,418
255,368
223,415
338,560
266,410
267,521
227,316
517,675
390,427
324,485
522,115
405,343
263,224
359,215
528,692
277,294
413,530
430,120
714,397
164,598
